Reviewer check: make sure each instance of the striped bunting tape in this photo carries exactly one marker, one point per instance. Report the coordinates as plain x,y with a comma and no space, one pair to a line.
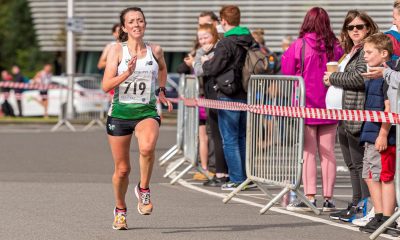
297,112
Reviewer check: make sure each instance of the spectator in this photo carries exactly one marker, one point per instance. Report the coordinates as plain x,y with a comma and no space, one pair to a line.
208,36
379,139
395,37
58,63
356,27
6,107
210,18
103,58
319,45
226,67
273,66
286,41
43,77
18,78
391,76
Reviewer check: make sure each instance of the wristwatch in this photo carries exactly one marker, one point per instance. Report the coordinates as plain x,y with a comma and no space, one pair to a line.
161,89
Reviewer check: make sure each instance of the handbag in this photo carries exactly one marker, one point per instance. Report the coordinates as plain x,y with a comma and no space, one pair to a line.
226,83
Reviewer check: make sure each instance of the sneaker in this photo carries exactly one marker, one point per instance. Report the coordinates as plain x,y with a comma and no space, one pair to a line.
328,206
351,214
119,220
250,185
144,207
299,206
361,222
199,176
392,230
372,225
229,186
215,182
336,215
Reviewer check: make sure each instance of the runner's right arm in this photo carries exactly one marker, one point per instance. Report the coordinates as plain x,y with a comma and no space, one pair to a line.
110,78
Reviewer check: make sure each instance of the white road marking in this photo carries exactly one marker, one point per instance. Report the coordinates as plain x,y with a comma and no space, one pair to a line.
274,209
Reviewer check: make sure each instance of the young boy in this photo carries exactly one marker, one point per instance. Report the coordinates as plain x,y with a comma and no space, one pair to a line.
378,138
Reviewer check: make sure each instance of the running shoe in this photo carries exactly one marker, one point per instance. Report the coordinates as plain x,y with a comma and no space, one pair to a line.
215,182
336,215
328,206
119,220
353,213
229,186
299,206
200,176
361,222
144,207
370,227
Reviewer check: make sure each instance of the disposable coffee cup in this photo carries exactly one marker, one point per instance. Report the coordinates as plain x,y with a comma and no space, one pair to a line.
332,67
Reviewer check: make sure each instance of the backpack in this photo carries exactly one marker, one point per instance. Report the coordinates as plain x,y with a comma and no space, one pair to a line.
7,109
256,63
273,62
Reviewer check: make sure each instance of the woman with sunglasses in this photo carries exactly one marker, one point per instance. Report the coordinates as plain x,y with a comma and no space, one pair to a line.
307,56
356,27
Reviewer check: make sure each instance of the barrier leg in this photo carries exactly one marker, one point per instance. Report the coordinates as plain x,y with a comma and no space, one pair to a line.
169,157
182,161
274,200
383,227
173,181
62,122
234,192
265,191
307,202
92,123
173,148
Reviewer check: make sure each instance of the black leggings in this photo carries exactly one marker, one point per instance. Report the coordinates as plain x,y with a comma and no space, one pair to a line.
353,155
220,163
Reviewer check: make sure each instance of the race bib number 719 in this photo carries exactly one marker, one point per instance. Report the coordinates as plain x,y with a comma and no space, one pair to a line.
135,90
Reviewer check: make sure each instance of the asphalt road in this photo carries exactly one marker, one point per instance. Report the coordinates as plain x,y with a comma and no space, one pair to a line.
58,186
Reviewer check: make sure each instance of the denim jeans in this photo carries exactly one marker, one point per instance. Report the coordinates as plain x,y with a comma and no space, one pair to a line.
232,125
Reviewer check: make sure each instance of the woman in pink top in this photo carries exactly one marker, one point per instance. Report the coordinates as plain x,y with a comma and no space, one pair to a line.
320,46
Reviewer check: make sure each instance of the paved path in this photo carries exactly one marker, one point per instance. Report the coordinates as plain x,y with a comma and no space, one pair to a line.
58,186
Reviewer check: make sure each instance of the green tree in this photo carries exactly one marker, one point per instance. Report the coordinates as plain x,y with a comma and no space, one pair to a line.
18,44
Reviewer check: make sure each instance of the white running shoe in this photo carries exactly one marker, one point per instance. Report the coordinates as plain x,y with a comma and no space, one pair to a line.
361,222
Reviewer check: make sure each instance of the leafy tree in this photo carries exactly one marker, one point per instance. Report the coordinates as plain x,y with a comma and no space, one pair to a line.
18,44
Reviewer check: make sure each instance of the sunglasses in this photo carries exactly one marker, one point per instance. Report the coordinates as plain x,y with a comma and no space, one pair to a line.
358,26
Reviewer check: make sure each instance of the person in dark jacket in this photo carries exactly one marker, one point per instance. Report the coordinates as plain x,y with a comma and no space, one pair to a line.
379,139
356,27
18,78
226,68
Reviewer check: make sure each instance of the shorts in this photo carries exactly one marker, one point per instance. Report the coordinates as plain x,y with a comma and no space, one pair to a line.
122,127
202,122
379,166
43,94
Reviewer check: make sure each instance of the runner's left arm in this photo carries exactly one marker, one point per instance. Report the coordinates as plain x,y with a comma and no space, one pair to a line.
162,74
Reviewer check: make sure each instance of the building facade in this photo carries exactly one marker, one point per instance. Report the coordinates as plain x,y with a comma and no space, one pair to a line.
172,24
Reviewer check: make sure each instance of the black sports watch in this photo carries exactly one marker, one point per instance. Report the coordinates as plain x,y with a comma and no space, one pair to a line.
161,89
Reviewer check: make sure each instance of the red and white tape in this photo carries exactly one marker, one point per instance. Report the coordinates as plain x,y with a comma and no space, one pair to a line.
19,85
297,112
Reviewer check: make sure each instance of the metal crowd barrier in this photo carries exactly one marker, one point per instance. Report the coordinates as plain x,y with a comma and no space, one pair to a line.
90,103
190,129
396,215
178,147
274,144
